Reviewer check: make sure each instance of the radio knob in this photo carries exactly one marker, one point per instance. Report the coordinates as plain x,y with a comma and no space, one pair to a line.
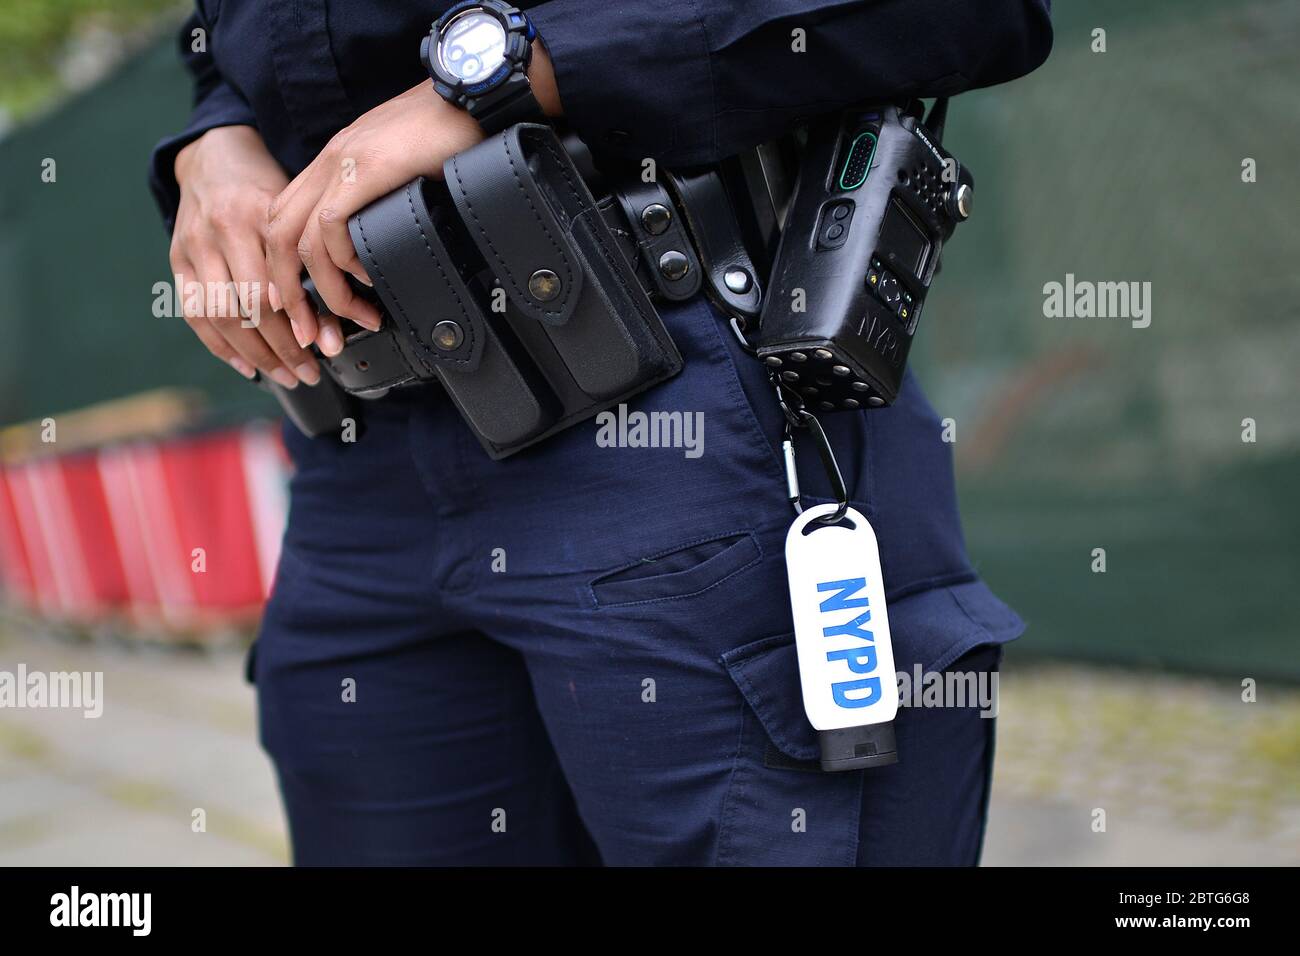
961,201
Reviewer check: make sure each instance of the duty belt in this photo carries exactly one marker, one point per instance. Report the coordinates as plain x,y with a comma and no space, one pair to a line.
677,233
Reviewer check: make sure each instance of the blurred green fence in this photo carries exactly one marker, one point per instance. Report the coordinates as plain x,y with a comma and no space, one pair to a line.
1076,434
79,256
1072,434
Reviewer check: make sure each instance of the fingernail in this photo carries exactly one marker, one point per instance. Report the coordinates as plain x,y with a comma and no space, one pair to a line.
374,325
284,377
363,279
273,296
303,340
331,342
243,368
308,373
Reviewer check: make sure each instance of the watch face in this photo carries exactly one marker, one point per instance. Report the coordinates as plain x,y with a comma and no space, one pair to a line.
473,45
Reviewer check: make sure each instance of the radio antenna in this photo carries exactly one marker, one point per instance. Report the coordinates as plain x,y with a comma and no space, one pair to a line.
938,116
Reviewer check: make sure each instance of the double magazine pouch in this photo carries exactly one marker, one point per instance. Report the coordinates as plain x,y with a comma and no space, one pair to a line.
504,283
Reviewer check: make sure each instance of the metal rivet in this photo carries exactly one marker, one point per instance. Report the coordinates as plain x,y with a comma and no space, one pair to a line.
674,265
810,390
656,217
875,401
447,335
798,357
738,281
363,366
860,387
543,285
841,370
851,403
773,361
790,376
824,354
826,406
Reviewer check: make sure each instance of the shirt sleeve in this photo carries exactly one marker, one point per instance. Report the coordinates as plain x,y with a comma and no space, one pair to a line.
216,103
692,81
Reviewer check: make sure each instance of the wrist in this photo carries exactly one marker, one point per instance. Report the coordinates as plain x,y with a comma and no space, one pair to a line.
541,75
187,157
184,160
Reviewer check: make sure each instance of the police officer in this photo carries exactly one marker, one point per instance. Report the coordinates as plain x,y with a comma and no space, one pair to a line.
578,654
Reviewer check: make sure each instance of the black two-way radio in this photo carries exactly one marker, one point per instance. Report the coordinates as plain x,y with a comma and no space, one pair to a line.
877,197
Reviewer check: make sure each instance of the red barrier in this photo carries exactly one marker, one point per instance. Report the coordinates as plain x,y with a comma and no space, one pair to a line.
181,533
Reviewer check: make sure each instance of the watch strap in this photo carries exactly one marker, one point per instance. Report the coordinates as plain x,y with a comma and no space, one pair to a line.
517,105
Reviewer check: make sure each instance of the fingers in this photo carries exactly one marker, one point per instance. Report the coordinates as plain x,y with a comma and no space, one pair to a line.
247,263
271,348
210,314
341,180
286,218
219,347
325,248
337,240
202,328
248,343
334,289
277,334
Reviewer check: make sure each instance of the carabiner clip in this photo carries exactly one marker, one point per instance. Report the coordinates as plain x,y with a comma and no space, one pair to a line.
800,417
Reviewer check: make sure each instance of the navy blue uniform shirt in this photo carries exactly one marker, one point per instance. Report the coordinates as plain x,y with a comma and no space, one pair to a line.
683,81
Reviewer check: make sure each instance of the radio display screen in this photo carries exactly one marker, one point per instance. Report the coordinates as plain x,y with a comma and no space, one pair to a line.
903,236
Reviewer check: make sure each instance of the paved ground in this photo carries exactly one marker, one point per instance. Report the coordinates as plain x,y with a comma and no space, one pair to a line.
1186,772
177,734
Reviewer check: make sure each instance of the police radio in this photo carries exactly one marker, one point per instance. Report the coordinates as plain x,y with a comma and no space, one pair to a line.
877,196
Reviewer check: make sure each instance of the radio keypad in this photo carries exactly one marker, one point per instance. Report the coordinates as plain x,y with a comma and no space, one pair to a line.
886,287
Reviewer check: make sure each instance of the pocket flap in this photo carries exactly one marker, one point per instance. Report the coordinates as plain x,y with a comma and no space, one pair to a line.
767,673
933,628
417,280
502,202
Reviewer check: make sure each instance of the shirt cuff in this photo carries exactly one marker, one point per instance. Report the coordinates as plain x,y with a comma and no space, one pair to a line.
628,85
221,107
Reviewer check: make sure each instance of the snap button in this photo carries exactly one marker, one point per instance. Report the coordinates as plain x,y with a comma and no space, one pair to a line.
673,265
738,281
447,335
656,217
544,285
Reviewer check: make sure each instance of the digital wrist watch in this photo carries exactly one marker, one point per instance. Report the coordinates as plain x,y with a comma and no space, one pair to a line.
478,54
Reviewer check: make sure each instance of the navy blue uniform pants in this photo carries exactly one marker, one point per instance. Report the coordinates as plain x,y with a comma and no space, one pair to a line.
583,654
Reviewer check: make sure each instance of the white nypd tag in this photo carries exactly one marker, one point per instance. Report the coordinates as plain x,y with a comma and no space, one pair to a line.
841,628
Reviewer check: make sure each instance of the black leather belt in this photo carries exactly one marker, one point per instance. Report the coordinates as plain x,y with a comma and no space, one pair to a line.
514,218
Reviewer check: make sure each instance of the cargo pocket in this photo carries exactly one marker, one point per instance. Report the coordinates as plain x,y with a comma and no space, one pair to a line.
767,674
932,628
936,626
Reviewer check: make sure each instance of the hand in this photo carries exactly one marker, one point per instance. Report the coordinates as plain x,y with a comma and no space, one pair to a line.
227,178
307,225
